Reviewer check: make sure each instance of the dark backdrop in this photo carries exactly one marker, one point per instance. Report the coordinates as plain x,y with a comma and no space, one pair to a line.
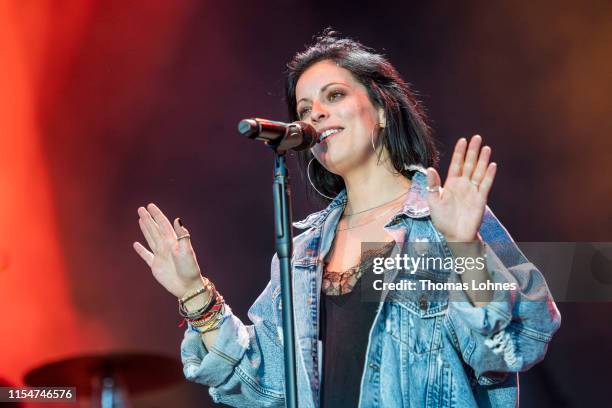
139,102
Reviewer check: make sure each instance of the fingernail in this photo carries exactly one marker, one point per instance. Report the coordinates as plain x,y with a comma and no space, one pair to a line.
180,222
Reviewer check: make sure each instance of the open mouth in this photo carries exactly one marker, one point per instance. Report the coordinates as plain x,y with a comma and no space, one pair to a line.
329,132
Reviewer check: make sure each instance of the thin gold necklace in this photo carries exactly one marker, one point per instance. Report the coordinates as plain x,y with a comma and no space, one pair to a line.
378,206
368,222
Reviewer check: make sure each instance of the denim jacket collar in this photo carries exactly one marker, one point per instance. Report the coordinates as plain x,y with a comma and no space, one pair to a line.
415,205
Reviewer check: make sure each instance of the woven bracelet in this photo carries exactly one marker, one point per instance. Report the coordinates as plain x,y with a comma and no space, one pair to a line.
194,314
211,324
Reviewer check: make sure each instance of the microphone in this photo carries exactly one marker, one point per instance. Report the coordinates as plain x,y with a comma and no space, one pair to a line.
278,135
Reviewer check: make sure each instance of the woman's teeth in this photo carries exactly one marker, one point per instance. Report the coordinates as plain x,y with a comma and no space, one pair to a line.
328,133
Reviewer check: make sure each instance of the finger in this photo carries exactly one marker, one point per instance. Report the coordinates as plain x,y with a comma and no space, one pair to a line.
487,182
454,170
187,259
147,235
151,226
183,236
180,229
471,156
164,225
433,184
483,163
146,255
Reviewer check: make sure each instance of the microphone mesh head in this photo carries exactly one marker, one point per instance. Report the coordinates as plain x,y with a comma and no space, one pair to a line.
248,127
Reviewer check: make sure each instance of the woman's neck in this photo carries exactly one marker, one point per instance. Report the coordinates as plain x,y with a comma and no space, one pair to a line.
374,186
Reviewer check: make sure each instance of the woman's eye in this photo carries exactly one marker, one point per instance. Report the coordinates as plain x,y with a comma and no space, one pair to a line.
335,95
303,112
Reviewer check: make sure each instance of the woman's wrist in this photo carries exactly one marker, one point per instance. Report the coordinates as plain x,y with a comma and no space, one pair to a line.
197,294
193,286
197,302
202,307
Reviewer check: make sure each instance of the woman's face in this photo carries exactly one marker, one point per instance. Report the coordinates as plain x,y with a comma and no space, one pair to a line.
337,105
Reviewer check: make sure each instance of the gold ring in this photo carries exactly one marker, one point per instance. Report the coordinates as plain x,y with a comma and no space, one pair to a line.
182,236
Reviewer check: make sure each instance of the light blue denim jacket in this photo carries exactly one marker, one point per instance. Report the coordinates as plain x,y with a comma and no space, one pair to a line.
421,353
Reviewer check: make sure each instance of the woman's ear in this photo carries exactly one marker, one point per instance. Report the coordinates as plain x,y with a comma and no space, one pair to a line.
381,118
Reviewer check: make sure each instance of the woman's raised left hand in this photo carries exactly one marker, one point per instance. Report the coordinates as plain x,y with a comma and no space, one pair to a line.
457,208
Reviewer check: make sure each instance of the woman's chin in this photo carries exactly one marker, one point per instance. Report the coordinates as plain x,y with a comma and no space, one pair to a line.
339,166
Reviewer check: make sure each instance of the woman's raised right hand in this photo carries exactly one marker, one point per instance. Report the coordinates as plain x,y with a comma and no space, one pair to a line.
172,260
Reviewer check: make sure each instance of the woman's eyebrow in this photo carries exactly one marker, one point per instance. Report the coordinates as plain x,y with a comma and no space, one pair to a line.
323,89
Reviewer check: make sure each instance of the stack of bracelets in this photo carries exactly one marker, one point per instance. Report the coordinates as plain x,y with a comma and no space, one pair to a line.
207,317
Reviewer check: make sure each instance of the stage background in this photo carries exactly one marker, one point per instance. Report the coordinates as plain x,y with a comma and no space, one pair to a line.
109,105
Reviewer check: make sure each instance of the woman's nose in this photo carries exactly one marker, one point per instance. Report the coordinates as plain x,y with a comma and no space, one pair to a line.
318,113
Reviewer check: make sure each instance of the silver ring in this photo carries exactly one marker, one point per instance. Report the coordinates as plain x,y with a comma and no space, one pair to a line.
435,189
475,183
183,236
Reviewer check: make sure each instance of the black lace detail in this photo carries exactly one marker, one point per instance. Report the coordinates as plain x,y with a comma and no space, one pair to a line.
342,282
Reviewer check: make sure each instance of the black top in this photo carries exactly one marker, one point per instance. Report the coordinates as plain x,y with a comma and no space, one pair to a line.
346,320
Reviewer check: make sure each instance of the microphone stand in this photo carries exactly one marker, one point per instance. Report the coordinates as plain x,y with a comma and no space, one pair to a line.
297,136
283,221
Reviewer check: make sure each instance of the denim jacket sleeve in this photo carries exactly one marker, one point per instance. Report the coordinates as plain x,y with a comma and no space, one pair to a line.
244,368
512,332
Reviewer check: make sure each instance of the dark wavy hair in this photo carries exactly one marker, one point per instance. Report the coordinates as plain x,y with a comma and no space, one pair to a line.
406,136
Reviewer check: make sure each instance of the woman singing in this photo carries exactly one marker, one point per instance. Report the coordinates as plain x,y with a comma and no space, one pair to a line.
374,165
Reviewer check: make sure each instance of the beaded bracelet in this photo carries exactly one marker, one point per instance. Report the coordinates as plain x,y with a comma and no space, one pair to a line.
209,316
215,307
190,296
209,324
195,314
210,310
